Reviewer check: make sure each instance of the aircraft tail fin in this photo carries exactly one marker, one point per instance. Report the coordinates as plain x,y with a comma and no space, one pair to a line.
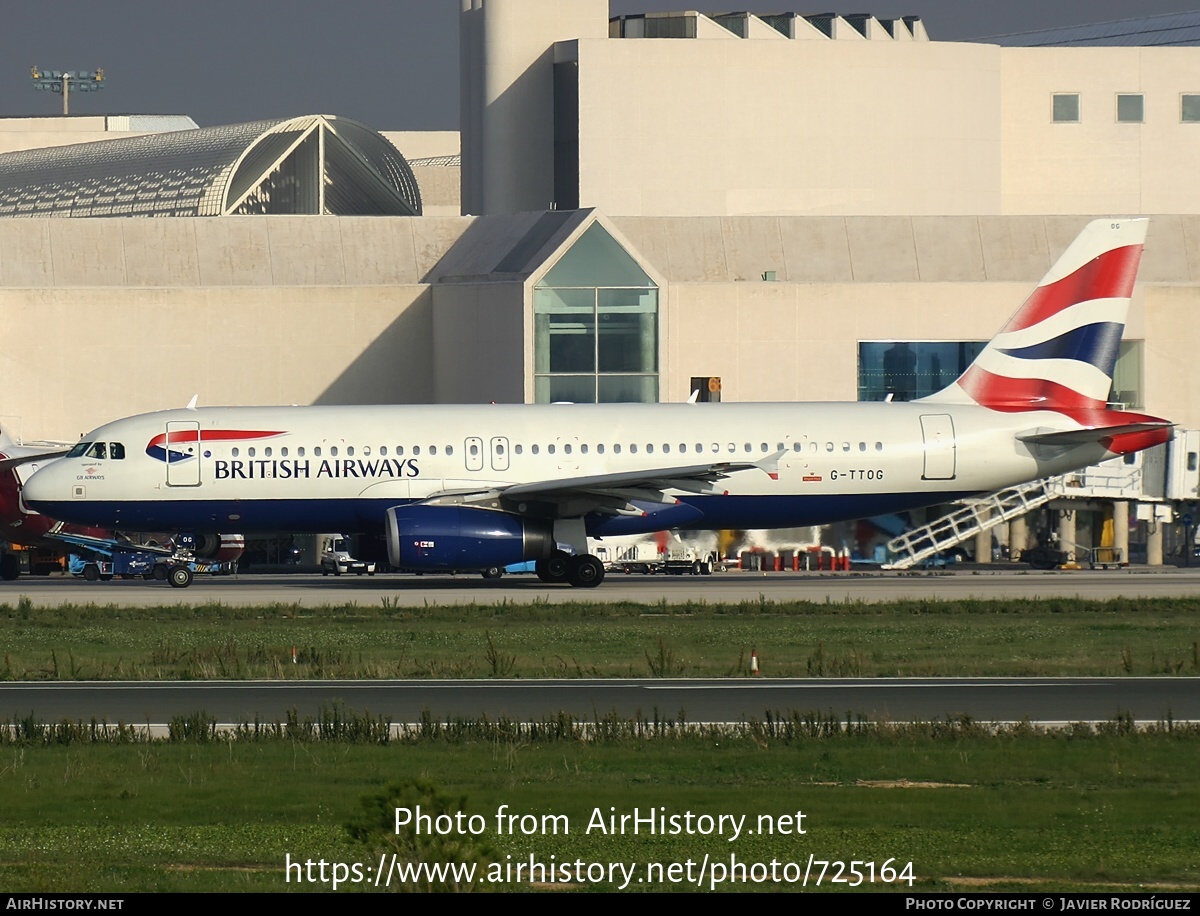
1059,350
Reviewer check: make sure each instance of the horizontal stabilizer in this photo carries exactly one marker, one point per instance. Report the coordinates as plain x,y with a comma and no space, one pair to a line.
1086,436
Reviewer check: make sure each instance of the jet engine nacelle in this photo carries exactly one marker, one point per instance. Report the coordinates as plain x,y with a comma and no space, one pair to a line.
460,537
219,548
210,546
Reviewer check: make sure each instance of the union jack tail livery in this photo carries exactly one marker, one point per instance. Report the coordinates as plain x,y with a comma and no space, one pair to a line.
1058,351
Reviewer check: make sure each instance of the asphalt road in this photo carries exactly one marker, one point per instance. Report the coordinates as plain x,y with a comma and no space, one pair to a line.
1008,699
407,590
1046,700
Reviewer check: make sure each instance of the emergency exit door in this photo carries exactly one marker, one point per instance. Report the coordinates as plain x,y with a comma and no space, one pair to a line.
938,432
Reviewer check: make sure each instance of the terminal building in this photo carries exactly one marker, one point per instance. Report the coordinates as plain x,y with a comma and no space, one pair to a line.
759,207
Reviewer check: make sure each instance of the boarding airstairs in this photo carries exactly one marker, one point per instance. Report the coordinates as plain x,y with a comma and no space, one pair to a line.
975,515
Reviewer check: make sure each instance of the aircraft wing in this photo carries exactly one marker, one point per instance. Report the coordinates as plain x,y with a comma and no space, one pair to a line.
615,493
106,546
7,463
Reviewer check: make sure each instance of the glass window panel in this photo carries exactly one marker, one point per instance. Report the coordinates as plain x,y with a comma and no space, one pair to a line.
578,389
596,260
641,389
1189,108
565,330
1066,107
1127,375
911,369
628,330
1130,108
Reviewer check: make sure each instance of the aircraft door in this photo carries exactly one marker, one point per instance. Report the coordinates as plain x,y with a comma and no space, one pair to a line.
473,453
499,453
183,453
937,430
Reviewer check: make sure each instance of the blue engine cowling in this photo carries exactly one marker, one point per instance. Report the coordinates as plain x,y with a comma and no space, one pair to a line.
460,537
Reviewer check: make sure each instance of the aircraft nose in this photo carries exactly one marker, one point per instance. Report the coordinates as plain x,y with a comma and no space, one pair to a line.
43,487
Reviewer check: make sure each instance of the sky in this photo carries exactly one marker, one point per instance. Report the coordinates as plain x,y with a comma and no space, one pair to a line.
392,64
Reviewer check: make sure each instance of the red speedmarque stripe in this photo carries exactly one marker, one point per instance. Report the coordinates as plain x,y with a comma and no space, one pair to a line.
1110,276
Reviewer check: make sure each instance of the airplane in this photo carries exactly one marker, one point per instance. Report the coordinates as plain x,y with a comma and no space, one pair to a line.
19,524
474,487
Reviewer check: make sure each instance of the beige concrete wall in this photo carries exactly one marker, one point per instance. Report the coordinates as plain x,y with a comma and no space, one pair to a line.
102,318
1172,354
229,251
949,279
742,127
508,129
1098,165
862,249
38,133
798,342
479,343
107,317
440,189
74,358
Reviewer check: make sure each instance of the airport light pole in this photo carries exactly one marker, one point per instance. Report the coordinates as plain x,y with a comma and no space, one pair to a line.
65,80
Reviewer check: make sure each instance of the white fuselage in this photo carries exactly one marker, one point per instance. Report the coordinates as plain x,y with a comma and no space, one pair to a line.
340,468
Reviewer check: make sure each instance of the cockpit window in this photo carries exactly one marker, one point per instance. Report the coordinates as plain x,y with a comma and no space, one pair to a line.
116,451
79,449
98,450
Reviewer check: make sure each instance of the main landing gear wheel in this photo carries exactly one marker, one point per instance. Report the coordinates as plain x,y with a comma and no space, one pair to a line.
179,577
553,569
585,571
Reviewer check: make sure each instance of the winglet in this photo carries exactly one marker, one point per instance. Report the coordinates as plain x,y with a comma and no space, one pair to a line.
191,405
694,396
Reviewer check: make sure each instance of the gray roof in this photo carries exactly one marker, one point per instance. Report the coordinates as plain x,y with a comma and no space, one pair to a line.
308,165
1164,29
507,246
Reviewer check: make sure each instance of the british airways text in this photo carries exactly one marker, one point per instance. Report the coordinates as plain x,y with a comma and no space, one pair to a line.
296,468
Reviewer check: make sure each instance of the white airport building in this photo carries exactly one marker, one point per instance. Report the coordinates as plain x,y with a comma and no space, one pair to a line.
773,207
